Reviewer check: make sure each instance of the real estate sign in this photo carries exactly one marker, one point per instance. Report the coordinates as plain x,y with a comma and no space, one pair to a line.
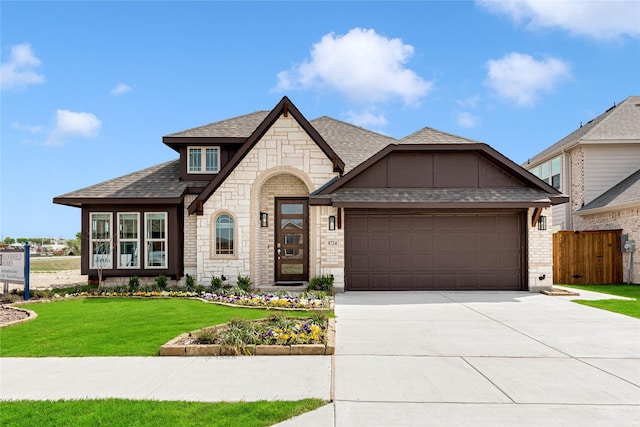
12,265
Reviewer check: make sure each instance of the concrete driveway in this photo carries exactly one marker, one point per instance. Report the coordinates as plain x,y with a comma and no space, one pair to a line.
480,359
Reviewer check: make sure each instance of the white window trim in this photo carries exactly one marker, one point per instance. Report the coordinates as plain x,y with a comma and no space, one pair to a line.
121,240
147,240
109,241
537,171
203,159
215,255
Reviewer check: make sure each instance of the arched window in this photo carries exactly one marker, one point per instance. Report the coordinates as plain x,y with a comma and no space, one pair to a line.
224,235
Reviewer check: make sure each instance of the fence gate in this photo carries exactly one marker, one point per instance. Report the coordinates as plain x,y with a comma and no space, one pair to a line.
587,257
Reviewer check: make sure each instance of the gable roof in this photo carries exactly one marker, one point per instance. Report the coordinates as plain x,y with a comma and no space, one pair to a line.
535,193
157,184
284,107
620,122
624,194
236,127
429,135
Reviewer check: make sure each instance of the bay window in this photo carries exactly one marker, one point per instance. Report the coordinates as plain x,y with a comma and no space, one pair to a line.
129,242
156,240
100,240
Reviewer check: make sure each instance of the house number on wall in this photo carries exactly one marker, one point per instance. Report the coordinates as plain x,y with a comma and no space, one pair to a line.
332,242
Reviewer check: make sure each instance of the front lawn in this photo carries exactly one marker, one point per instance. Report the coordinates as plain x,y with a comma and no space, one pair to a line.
626,307
125,413
114,326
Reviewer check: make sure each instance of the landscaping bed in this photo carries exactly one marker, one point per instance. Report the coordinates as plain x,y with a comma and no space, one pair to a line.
274,336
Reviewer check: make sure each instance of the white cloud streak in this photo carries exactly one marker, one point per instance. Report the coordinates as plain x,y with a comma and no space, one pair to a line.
361,65
468,120
27,128
120,89
72,124
597,19
19,72
367,118
519,77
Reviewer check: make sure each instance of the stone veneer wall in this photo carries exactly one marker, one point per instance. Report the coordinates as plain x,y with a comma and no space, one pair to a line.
627,219
190,239
576,193
540,244
284,149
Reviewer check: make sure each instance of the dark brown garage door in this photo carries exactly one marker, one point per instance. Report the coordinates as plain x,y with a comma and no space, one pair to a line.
434,251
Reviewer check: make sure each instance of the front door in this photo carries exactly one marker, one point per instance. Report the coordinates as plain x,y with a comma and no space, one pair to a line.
292,239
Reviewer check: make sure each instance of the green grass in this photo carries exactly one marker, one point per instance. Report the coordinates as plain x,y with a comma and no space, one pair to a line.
50,264
125,413
629,308
113,326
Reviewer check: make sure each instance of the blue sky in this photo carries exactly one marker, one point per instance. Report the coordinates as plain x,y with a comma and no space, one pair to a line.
88,89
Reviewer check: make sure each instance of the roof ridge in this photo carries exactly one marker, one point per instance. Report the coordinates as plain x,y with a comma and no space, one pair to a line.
609,112
440,132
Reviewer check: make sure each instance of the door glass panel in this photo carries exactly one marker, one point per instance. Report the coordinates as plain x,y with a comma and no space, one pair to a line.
292,268
291,224
292,239
292,253
292,209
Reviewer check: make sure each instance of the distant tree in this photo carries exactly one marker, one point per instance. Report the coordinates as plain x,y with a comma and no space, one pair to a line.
9,240
22,240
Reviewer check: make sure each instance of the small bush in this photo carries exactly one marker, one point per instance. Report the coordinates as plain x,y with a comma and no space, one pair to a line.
322,283
134,284
244,283
189,283
161,282
216,284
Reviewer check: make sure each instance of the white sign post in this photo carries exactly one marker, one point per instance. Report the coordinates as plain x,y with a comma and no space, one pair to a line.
14,268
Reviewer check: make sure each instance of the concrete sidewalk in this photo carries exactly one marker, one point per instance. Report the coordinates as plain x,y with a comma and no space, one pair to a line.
206,379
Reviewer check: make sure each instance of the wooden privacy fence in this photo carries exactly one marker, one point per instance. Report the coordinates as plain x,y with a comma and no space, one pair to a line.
587,257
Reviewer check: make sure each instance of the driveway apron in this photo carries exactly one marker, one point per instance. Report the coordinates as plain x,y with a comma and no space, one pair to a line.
483,358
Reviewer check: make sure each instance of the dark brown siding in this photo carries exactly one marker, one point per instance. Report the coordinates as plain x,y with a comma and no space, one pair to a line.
434,170
392,250
175,255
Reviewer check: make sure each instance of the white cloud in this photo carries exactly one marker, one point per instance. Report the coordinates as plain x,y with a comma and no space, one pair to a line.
120,89
27,128
471,102
362,65
366,118
71,124
521,78
597,19
468,120
19,71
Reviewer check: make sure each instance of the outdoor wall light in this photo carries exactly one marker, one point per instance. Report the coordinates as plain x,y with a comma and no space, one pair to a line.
332,222
542,222
264,219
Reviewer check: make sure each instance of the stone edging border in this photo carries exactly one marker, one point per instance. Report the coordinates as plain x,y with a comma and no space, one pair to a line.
31,315
172,348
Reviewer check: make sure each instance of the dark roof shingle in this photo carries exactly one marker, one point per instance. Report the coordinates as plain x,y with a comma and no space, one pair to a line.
625,192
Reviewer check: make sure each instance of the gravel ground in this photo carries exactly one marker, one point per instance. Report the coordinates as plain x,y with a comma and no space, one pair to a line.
58,279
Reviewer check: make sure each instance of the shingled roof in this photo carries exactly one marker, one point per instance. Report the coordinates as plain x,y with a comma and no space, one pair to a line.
429,135
160,183
621,122
236,127
623,194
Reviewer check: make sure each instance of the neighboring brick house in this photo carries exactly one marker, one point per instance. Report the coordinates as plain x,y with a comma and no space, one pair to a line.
598,167
282,199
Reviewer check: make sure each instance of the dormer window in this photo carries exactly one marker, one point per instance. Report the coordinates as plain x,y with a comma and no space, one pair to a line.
204,159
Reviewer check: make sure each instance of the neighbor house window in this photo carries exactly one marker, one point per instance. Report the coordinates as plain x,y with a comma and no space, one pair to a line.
128,240
549,172
204,159
156,240
224,234
100,240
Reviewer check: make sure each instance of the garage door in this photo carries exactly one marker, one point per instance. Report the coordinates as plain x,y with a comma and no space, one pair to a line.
425,251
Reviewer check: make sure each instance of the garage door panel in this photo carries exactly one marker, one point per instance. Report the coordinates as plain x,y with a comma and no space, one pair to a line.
379,262
421,241
456,251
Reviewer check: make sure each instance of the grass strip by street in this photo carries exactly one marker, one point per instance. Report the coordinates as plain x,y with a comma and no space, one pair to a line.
51,264
626,307
125,413
114,326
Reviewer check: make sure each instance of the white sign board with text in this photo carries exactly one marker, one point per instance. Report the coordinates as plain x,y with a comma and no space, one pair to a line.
12,266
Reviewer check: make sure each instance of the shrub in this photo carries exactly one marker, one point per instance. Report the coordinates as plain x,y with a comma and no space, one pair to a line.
322,283
134,284
161,282
189,283
244,283
216,284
